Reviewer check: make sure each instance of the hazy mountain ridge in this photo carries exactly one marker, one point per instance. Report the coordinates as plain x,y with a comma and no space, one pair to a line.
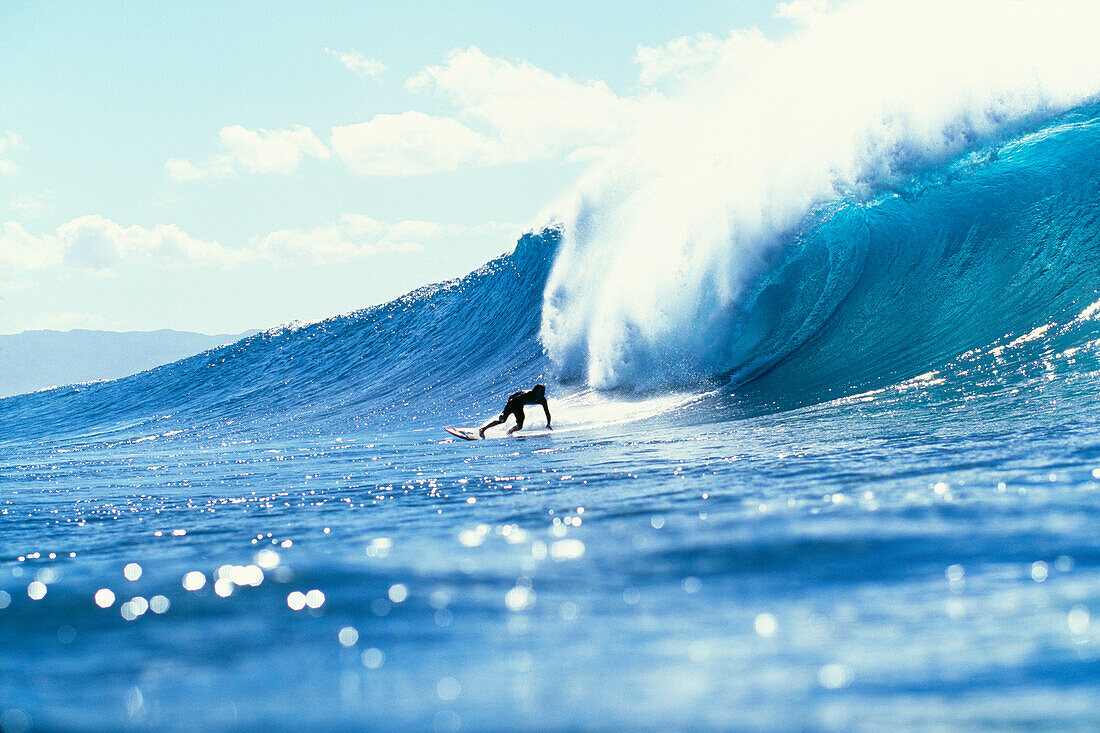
34,360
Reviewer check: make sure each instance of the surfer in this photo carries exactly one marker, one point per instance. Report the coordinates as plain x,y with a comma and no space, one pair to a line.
514,406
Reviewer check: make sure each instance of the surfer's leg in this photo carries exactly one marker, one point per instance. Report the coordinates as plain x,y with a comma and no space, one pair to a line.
491,423
519,421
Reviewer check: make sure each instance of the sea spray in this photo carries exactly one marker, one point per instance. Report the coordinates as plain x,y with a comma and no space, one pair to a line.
671,237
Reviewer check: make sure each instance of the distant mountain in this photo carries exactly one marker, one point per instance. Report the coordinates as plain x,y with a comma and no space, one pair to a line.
36,359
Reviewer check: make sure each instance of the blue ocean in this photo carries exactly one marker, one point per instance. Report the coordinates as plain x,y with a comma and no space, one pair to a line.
839,473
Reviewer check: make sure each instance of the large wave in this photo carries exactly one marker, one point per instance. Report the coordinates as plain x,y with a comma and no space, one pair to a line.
862,294
723,236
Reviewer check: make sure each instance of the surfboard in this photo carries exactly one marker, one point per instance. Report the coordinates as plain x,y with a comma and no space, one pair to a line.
464,433
471,434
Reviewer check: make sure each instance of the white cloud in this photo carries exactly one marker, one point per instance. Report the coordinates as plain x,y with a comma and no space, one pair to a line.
21,250
509,112
677,57
684,62
355,236
358,63
95,243
220,166
802,11
408,144
257,151
531,113
8,141
92,242
272,151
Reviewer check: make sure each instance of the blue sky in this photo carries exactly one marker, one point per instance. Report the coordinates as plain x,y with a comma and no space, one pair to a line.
222,166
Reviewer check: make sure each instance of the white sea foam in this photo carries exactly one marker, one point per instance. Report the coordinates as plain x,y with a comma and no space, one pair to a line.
588,409
665,237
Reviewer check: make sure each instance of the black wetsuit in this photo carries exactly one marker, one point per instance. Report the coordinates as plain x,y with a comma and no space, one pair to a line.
514,406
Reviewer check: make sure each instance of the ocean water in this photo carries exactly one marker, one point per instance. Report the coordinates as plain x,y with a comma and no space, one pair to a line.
871,504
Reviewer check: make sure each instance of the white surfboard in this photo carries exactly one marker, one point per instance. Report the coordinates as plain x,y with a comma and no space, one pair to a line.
472,433
464,433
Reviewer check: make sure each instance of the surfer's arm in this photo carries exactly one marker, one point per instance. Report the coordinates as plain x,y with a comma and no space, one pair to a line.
546,409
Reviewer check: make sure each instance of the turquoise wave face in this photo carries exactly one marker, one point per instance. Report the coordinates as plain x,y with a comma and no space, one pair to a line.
735,285
1001,243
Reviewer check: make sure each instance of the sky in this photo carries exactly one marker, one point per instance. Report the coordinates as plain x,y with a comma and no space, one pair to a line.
215,167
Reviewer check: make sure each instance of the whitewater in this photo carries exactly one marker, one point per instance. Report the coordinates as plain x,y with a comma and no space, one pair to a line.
824,377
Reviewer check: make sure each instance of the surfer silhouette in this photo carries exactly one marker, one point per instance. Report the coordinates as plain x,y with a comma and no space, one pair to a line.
514,406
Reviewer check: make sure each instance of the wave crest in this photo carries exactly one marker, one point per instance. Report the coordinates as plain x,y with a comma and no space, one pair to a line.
680,249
